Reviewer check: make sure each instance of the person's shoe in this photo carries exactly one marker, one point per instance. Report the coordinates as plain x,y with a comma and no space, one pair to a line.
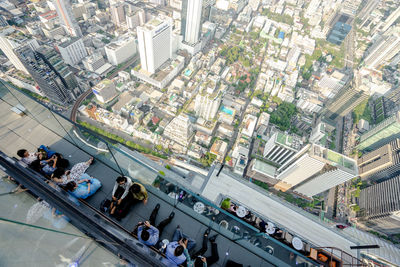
178,226
171,216
212,239
157,207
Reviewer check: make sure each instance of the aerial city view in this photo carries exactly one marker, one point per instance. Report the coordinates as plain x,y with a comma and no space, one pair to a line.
200,133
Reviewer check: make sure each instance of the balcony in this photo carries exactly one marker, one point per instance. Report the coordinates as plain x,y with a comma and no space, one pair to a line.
239,242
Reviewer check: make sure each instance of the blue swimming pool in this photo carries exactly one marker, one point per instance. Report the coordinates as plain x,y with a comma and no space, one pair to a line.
188,72
226,110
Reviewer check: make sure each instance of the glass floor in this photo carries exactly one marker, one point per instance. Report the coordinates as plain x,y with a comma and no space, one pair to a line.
31,234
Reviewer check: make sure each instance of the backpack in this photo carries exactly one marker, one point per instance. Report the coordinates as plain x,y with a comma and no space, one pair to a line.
105,205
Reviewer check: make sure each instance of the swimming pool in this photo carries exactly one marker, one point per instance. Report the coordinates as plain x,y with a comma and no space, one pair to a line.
226,110
188,72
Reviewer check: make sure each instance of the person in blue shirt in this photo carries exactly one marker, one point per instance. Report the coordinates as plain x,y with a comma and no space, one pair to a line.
83,188
147,233
175,249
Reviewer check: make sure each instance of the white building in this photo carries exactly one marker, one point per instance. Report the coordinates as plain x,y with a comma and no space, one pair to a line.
180,130
206,105
72,51
249,124
118,13
315,169
318,133
308,101
104,91
67,19
136,17
154,40
254,4
281,147
192,21
11,39
121,50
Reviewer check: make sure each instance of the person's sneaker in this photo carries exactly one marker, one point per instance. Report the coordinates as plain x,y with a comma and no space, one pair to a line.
157,207
171,216
212,239
207,232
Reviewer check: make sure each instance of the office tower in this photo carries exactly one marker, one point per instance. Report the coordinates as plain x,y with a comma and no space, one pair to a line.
72,50
121,50
154,40
191,20
390,20
380,206
206,105
281,147
104,91
381,134
11,39
67,19
135,17
315,169
384,49
180,130
94,62
118,14
49,71
381,163
345,101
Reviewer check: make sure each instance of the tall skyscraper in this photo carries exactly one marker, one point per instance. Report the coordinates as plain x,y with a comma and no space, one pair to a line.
315,169
154,40
345,101
11,39
51,74
67,19
191,20
380,206
384,49
382,163
381,134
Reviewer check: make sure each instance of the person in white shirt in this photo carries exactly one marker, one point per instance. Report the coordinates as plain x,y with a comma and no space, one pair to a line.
120,191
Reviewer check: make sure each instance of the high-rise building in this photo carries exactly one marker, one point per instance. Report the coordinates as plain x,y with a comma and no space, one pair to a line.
180,130
206,105
105,91
384,49
118,15
11,39
381,134
281,147
154,40
135,17
382,163
191,20
121,50
52,75
380,206
72,50
315,169
66,16
390,20
345,101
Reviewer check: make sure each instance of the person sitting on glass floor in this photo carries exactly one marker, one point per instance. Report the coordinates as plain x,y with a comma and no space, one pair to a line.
147,233
44,166
181,243
62,176
137,193
83,188
28,157
120,191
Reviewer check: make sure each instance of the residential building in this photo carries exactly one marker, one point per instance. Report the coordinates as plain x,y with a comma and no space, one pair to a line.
72,50
219,149
380,206
118,13
206,105
254,4
66,16
11,39
191,20
390,20
308,101
53,77
330,84
248,126
383,50
381,134
281,147
94,62
135,17
319,134
104,91
154,40
180,130
121,50
315,169
381,163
